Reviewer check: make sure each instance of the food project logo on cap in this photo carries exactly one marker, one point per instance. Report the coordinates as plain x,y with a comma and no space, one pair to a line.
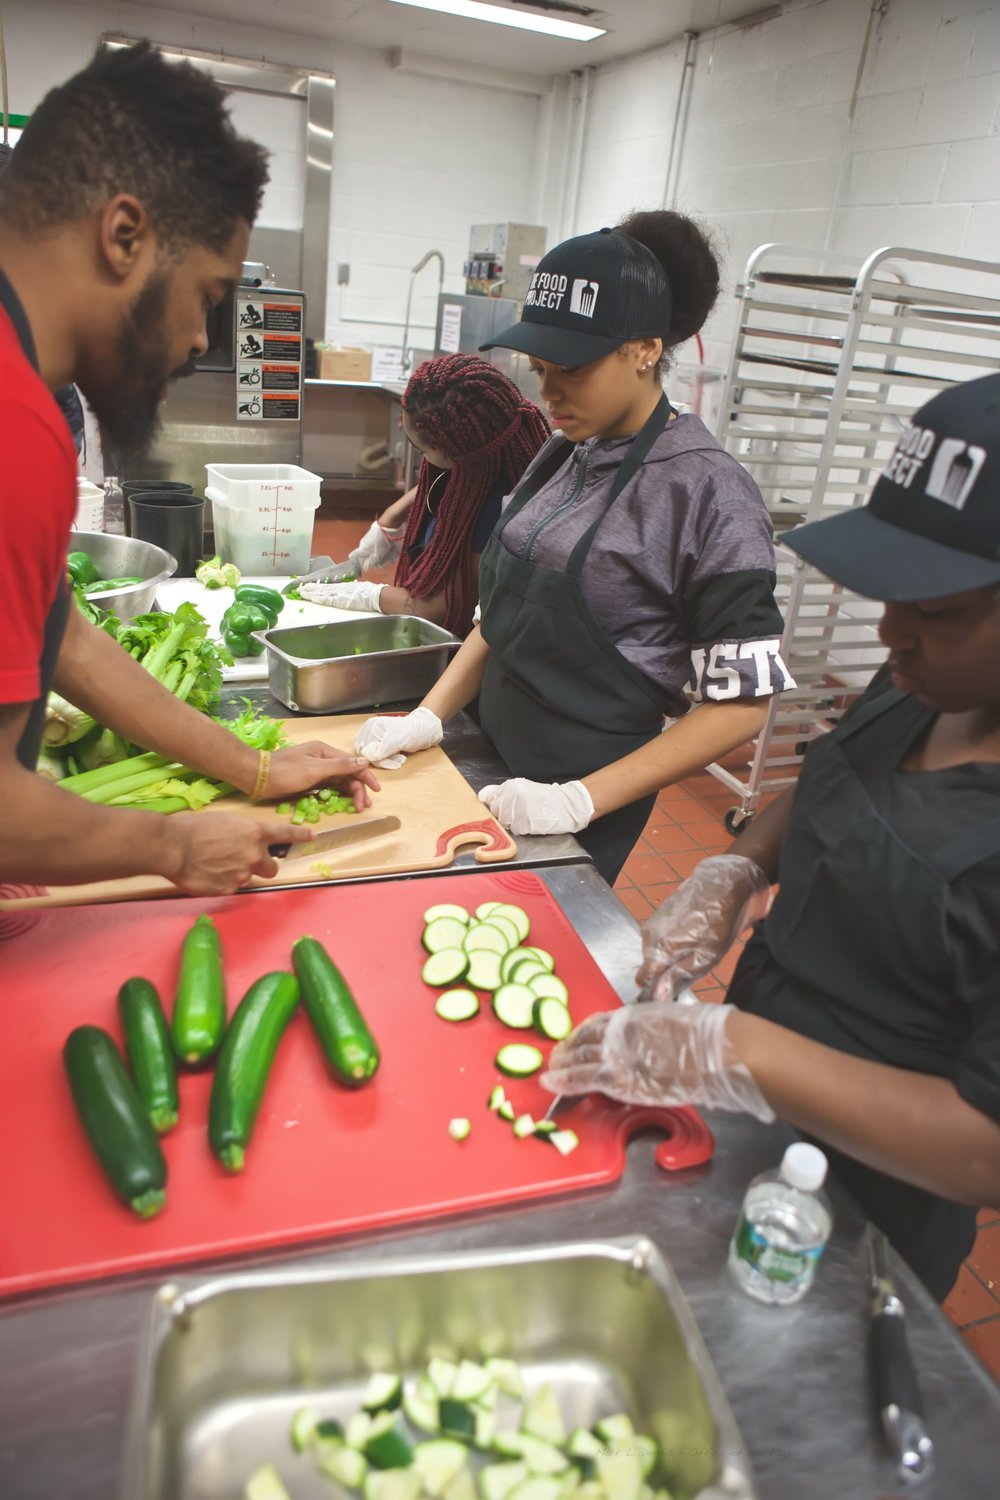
953,472
583,298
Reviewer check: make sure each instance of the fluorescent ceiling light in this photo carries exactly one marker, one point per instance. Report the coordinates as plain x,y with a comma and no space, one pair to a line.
473,10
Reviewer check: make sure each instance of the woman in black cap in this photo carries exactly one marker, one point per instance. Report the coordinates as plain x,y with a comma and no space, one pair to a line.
631,576
866,1007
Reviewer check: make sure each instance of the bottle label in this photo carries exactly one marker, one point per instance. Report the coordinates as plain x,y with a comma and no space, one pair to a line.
774,1263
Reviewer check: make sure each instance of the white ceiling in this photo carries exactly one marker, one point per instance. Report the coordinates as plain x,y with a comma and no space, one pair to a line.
633,26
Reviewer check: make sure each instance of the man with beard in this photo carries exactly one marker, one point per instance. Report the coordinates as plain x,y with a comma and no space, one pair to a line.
125,214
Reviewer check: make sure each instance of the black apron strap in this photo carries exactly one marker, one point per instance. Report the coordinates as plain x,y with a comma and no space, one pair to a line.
638,452
529,487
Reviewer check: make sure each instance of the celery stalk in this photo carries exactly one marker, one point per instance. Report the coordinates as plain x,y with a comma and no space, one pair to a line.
86,781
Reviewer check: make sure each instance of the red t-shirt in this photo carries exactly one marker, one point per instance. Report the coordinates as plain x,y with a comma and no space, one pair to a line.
37,506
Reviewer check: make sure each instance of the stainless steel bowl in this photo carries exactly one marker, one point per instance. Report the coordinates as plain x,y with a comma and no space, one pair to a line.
224,1364
125,557
376,659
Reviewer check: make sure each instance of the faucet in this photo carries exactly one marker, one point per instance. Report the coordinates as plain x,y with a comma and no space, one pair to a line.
431,255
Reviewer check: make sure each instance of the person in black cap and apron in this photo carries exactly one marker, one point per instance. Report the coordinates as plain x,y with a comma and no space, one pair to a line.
631,577
866,1006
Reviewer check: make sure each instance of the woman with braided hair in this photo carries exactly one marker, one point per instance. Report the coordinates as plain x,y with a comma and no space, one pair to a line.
477,434
630,580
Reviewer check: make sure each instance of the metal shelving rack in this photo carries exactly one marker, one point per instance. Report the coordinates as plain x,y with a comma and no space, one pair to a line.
831,358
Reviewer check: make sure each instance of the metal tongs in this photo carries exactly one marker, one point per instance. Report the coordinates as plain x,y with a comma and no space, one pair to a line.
897,1391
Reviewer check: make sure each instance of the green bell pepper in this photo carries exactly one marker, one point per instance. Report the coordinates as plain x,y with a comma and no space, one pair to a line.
81,568
237,626
263,597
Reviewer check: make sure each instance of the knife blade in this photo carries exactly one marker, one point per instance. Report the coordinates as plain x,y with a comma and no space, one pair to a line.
897,1390
336,838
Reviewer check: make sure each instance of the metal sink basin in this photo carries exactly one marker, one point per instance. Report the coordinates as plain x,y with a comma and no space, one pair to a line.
224,1364
321,669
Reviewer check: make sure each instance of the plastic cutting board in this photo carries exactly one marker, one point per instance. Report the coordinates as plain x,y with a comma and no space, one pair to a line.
324,1160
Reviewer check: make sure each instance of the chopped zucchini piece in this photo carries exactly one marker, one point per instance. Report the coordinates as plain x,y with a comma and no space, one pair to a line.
542,1457
619,1474
422,1411
393,1484
437,1462
537,1488
358,1430
508,1377
446,909
519,1060
265,1483
570,1482
583,1444
441,1373
347,1466
564,1141
387,1446
497,1480
462,1487
459,1129
486,1426
457,1419
497,1096
524,1125
542,1418
472,1381
304,1424
615,1429
506,1110
382,1393
647,1451
545,1127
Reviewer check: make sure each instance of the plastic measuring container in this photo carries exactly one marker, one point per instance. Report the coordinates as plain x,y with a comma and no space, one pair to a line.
263,515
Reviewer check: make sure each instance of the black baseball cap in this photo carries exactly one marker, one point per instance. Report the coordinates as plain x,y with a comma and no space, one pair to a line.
932,525
589,296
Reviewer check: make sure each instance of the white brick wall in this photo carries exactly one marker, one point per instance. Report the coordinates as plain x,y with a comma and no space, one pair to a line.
771,152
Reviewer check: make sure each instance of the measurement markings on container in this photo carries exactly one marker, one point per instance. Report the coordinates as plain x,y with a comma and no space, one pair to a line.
277,404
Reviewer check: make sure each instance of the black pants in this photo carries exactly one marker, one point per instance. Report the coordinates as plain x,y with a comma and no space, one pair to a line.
610,840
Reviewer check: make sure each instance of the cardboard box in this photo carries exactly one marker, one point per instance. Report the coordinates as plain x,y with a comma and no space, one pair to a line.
340,362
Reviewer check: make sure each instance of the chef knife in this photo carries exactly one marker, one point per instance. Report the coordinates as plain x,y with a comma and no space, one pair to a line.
897,1392
335,839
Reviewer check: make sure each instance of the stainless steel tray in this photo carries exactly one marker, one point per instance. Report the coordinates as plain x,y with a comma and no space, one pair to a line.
321,669
224,1364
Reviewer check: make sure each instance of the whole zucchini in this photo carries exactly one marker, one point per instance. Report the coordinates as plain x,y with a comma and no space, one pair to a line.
147,1047
116,1125
350,1048
200,1003
248,1049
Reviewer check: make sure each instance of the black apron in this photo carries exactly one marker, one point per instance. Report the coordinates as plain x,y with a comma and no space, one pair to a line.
839,839
559,700
30,742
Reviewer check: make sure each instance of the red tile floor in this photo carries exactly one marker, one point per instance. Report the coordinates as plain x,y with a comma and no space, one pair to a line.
687,823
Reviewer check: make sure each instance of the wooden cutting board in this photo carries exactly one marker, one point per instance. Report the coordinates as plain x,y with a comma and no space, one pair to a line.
439,814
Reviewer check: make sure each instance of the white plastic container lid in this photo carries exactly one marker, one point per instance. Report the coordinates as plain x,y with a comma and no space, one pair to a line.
804,1167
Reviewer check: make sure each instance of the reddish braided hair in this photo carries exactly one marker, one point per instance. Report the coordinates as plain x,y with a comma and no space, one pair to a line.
469,410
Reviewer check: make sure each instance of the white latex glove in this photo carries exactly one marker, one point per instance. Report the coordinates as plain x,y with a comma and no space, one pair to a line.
698,924
386,735
378,546
657,1055
539,807
344,595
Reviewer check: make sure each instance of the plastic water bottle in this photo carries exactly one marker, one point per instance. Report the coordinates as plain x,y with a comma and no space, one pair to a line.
783,1228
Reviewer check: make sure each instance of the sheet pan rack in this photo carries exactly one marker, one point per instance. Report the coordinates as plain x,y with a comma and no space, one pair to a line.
831,358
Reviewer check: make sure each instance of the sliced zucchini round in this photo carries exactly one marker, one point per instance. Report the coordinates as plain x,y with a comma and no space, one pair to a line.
445,966
552,1018
513,1004
446,909
519,1060
485,909
515,957
519,918
458,1005
484,970
526,970
544,957
504,925
444,932
547,987
483,935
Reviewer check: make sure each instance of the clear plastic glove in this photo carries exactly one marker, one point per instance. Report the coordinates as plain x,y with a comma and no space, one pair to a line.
698,924
657,1055
344,595
385,736
539,807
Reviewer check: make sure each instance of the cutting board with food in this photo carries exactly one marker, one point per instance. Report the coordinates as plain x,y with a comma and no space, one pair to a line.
212,604
434,1118
439,815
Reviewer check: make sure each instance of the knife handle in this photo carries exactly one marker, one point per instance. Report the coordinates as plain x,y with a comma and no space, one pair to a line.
278,851
897,1391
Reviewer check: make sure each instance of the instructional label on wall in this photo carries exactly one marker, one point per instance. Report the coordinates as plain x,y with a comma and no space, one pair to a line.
387,362
451,328
269,356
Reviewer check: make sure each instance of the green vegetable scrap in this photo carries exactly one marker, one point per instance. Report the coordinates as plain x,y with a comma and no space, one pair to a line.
64,724
81,568
215,574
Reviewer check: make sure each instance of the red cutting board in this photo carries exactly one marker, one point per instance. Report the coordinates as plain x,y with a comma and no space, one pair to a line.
324,1159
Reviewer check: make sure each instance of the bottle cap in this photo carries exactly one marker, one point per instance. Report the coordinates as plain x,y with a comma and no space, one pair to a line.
804,1166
